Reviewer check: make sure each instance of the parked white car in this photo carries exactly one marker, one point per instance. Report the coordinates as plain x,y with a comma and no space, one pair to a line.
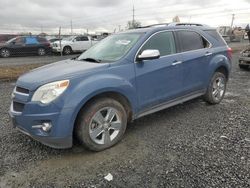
73,44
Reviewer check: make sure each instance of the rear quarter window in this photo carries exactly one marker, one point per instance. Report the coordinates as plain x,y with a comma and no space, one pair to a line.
31,40
190,40
214,34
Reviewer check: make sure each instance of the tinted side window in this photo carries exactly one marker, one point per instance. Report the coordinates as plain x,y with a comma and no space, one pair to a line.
41,40
164,42
31,40
216,36
83,38
20,40
190,40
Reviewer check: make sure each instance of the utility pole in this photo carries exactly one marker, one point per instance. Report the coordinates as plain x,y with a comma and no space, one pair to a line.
119,27
71,26
133,21
232,22
60,42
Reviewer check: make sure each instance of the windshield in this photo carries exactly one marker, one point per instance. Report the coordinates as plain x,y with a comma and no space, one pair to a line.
111,48
69,38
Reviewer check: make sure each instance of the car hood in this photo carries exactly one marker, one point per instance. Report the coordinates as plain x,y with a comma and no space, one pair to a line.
57,71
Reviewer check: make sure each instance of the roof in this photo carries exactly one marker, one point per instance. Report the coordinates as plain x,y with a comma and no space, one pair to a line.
166,26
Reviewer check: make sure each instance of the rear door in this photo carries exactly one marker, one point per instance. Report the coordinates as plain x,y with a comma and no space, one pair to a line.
32,45
158,80
82,43
196,54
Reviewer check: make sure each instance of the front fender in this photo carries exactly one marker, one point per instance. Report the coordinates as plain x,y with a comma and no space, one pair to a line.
94,85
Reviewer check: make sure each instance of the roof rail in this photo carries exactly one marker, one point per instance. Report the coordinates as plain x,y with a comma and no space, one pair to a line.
154,25
171,24
185,24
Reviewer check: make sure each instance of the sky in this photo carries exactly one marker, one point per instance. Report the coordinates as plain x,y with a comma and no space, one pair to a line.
47,16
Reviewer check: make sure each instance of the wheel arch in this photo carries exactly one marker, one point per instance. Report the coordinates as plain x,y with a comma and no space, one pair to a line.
223,69
220,63
67,46
122,99
113,95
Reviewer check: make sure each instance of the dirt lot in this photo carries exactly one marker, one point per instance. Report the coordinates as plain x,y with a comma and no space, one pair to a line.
189,145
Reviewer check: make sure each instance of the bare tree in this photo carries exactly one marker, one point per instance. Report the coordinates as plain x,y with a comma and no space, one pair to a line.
133,24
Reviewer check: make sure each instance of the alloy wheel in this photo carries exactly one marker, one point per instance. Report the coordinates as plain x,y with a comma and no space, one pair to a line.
218,88
5,53
105,126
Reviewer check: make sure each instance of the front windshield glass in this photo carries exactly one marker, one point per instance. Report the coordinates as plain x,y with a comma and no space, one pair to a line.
69,38
111,48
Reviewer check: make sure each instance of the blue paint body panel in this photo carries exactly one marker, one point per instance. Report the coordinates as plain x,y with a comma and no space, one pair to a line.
144,85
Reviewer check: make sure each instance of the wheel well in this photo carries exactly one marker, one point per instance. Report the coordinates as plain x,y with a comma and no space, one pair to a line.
116,96
67,47
223,70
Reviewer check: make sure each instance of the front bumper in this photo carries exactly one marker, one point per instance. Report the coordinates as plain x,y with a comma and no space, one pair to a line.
27,116
56,49
52,139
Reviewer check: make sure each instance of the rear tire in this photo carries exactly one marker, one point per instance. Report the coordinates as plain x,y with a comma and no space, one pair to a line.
41,51
216,89
67,50
4,53
101,124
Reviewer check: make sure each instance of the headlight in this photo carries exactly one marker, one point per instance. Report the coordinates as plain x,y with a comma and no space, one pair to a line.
49,92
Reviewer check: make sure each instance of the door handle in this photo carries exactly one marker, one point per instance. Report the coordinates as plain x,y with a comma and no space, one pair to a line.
176,63
208,53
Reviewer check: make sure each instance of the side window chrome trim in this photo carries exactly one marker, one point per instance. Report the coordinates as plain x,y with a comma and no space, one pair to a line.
173,30
150,38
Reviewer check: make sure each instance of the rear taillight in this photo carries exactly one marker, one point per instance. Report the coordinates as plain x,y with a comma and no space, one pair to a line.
230,53
47,44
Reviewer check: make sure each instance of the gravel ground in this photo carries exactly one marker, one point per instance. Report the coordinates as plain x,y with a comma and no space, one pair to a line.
189,145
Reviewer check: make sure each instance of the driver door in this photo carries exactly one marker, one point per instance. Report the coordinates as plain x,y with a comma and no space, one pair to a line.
18,46
159,80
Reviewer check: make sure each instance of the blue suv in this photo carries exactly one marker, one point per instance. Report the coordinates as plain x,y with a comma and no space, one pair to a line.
124,77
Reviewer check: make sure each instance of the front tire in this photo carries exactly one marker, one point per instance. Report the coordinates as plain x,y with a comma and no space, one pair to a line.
216,89
101,124
4,53
67,50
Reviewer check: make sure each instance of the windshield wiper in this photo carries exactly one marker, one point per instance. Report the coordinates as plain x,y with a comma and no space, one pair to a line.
74,58
91,59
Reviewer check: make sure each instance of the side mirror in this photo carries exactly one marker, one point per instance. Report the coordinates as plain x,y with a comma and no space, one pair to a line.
148,55
13,43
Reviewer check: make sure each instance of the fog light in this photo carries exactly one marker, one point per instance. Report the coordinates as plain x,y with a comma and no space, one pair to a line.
46,126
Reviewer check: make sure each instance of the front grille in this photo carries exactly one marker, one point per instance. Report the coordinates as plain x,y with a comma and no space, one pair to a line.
22,90
18,107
